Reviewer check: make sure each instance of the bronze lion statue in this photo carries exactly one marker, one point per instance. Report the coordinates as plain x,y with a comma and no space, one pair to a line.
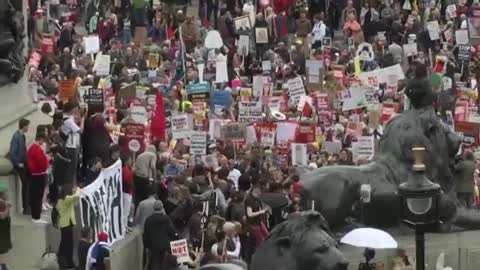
304,242
336,190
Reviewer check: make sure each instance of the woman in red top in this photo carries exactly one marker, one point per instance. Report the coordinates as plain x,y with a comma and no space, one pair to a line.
127,179
37,162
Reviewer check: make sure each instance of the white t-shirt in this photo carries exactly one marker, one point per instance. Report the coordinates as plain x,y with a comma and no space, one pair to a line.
72,130
233,176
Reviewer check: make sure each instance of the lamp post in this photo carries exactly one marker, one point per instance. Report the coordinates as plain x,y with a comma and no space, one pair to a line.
419,204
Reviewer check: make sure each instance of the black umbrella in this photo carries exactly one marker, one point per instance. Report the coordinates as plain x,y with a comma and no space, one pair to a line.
274,200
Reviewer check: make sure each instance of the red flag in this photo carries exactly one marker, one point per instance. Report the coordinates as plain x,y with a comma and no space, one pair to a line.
158,125
307,110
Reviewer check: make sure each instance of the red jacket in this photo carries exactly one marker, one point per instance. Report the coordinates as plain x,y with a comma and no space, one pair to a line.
127,178
37,160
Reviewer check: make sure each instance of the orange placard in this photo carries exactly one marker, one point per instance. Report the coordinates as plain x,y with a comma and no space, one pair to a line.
67,89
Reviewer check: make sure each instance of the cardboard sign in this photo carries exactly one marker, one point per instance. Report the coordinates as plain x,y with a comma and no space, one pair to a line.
470,133
198,142
47,46
134,135
67,89
181,126
234,131
92,44
296,89
179,249
299,154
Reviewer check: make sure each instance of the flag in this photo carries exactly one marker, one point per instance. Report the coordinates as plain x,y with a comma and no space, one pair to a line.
307,110
158,125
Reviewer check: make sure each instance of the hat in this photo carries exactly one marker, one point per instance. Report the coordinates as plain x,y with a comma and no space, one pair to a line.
102,237
158,206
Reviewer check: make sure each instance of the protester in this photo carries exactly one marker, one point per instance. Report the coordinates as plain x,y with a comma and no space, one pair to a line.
71,133
145,208
37,162
83,246
127,186
66,221
18,157
465,171
98,257
5,234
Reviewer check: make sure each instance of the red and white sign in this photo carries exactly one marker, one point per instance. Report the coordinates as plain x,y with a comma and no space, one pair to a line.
48,45
389,110
305,133
179,249
135,132
34,60
322,102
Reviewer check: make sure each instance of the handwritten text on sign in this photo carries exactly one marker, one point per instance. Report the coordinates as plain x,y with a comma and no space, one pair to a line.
180,250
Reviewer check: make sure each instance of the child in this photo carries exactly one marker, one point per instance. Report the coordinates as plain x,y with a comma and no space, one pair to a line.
83,247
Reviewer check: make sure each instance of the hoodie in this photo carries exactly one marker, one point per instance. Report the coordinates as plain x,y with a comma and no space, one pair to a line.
420,93
146,163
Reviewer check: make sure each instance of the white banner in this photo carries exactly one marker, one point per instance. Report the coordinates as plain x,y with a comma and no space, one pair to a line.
101,203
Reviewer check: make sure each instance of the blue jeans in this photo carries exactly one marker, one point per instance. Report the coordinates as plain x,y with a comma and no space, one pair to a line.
126,36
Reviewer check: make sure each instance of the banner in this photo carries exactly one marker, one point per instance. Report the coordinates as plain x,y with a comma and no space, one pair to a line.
181,126
101,204
198,142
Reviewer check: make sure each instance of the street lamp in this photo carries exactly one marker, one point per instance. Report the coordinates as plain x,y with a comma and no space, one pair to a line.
420,204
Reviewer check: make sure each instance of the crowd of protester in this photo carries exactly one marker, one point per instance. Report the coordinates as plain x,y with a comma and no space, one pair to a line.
238,186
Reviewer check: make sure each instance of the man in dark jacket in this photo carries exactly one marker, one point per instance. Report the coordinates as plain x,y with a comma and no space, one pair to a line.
157,235
464,176
18,157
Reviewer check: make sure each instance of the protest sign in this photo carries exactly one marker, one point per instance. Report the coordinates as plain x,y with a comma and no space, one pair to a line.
101,204
305,133
234,132
94,99
464,52
220,98
102,65
179,250
267,65
274,104
433,30
251,137
332,147
249,111
451,11
126,94
215,128
181,126
356,99
286,132
295,90
257,85
410,49
245,94
92,44
153,60
299,154
267,134
261,35
470,133
198,142
221,74
135,132
243,45
461,36
461,110
138,114
198,92
67,89
35,58
365,148
48,45
389,110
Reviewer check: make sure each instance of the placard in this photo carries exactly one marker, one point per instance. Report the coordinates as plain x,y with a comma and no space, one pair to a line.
433,30
102,65
464,52
261,35
410,49
250,111
35,59
181,126
365,148
470,133
257,85
138,114
305,133
153,60
267,134
220,98
234,132
135,132
322,102
67,90
221,74
198,142
94,99
451,11
126,94
461,36
92,44
296,89
267,65
285,133
243,45
179,249
47,46
299,154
